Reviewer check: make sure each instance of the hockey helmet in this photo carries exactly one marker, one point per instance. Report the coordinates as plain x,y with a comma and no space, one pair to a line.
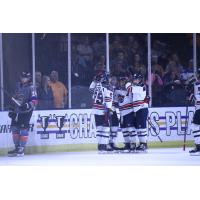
122,81
137,76
25,77
103,77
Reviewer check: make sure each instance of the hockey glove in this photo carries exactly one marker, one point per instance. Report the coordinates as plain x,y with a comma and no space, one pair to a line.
147,99
12,115
25,106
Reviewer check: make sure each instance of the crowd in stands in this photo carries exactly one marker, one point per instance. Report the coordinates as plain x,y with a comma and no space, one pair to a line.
52,94
172,65
128,52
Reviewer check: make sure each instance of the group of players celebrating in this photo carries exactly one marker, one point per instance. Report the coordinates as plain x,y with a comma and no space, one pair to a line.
128,94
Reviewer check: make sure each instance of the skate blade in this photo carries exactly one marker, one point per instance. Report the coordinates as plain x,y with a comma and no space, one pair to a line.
102,152
134,151
20,155
12,155
195,154
141,152
116,151
125,151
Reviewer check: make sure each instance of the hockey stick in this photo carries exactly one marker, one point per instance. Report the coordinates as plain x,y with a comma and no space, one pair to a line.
11,97
157,134
186,128
15,101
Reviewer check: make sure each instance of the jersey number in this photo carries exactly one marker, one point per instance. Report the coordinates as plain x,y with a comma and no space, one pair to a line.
98,97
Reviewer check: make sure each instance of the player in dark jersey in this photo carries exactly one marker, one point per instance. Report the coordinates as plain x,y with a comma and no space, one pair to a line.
20,114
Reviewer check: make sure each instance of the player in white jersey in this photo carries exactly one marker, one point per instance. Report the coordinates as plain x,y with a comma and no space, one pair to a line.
140,108
102,106
127,122
113,120
196,118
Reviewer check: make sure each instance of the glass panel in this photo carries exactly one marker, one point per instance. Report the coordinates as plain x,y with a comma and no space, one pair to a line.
1,73
17,57
198,49
171,68
128,52
51,64
88,57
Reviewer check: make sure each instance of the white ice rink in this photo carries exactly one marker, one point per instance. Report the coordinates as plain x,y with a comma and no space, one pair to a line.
157,157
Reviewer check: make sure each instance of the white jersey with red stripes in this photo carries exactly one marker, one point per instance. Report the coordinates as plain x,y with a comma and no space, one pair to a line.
124,100
102,97
197,94
139,94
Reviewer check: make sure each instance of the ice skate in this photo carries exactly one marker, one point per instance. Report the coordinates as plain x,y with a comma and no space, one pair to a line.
102,149
20,151
195,151
133,147
12,153
142,148
115,148
126,148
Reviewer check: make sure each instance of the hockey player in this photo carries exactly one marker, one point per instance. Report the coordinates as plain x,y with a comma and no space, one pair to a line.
140,108
21,113
196,118
102,108
126,116
114,121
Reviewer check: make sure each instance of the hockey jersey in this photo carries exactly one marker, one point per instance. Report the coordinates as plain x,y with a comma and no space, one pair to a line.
102,97
124,100
139,94
197,94
24,94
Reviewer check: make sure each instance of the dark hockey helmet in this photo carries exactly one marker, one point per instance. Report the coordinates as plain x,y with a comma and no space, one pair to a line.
102,77
25,77
137,76
122,81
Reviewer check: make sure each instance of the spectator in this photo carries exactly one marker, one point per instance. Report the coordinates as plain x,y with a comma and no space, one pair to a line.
161,50
175,58
38,79
120,60
173,88
118,70
157,88
157,69
45,95
130,48
172,76
138,67
59,90
85,53
100,64
116,46
99,46
172,66
188,71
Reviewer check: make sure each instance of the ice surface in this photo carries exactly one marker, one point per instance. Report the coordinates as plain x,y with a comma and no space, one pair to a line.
158,157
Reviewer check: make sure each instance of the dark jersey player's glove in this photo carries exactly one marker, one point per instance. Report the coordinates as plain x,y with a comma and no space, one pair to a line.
25,106
12,115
